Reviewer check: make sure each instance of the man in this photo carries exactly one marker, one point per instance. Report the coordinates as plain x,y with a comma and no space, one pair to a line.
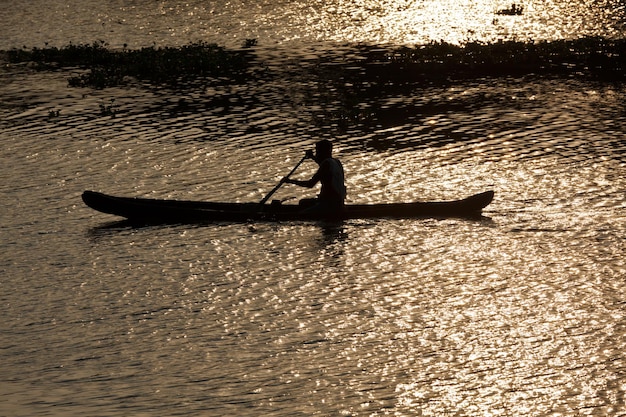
330,174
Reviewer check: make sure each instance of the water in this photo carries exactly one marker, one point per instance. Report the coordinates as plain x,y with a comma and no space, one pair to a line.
144,23
521,313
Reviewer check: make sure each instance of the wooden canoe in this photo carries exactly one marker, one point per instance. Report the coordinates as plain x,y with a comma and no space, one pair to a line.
151,211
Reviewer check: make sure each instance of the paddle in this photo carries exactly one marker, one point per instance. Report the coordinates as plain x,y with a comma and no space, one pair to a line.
267,197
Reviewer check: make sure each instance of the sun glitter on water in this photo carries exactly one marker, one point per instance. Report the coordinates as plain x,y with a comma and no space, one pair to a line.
418,22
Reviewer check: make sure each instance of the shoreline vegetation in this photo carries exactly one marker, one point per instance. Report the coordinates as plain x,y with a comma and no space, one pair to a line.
100,67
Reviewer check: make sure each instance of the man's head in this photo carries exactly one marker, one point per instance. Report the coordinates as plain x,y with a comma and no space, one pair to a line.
323,149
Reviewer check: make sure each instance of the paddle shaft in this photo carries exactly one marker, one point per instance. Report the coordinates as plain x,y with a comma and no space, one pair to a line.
271,193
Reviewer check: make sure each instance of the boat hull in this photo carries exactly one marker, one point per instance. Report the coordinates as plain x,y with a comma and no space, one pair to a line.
149,211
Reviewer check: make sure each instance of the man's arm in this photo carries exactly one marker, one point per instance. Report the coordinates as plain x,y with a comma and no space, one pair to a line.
307,183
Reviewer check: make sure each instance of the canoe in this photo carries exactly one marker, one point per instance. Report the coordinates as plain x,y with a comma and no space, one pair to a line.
155,211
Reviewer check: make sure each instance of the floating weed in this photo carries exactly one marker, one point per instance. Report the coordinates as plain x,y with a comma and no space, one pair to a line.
590,56
105,68
108,110
514,10
249,43
436,62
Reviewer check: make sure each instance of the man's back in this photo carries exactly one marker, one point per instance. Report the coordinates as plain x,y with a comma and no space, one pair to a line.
331,176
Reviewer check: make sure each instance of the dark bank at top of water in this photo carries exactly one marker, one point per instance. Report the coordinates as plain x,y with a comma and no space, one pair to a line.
436,62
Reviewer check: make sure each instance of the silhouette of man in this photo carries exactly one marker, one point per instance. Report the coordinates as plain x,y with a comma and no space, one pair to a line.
330,173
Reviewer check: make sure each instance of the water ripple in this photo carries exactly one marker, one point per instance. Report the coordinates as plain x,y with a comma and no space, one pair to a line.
521,314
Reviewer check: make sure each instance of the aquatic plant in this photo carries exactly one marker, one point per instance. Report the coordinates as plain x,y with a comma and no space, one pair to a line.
590,56
106,67
435,62
514,10
108,110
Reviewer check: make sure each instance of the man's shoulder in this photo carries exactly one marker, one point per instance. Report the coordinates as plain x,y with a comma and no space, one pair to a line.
331,162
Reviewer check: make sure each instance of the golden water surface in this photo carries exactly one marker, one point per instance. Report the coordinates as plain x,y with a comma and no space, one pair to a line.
521,313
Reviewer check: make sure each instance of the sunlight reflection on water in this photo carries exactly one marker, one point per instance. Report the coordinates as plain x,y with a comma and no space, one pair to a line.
521,313
302,22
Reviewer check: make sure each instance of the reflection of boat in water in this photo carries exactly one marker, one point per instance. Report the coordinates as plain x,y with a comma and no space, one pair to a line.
514,10
151,211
